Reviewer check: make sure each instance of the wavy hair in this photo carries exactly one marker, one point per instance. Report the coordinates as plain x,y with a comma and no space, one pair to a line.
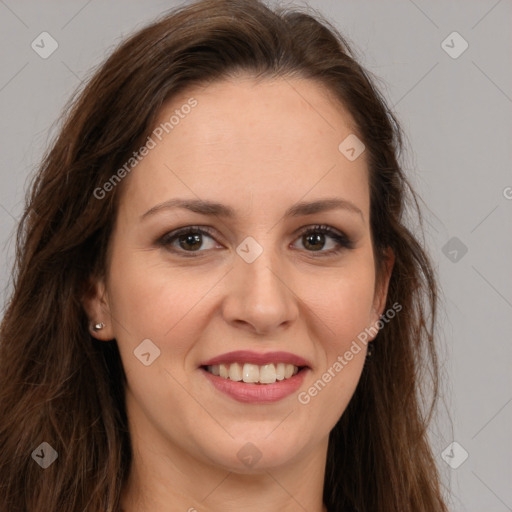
57,384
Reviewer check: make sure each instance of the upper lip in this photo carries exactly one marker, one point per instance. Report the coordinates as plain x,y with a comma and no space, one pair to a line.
248,356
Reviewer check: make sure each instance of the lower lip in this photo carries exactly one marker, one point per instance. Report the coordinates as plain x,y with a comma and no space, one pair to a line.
257,393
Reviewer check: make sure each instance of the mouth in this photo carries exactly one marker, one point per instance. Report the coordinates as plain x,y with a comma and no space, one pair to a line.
252,377
253,373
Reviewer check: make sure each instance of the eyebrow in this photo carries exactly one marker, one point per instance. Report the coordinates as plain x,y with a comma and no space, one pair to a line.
204,207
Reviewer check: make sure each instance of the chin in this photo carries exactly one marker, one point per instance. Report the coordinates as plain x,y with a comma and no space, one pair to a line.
256,453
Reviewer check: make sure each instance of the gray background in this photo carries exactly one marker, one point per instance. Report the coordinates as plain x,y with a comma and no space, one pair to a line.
457,115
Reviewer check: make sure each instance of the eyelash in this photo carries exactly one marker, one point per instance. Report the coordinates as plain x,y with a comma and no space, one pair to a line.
340,238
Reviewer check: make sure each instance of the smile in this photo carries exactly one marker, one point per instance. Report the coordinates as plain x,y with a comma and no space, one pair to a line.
253,373
254,377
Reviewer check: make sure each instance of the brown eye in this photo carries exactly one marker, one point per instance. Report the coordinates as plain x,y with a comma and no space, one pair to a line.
316,238
190,241
314,242
187,240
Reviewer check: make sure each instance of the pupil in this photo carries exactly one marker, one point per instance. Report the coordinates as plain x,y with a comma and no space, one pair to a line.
316,239
191,240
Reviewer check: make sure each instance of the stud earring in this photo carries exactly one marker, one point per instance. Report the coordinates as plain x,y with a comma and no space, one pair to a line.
97,327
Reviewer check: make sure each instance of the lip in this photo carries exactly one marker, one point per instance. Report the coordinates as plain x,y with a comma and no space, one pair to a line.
257,393
248,356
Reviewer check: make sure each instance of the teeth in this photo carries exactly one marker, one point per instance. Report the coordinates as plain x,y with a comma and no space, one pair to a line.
223,371
280,371
268,374
252,373
235,371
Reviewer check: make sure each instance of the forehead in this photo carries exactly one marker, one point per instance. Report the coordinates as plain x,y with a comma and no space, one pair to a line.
245,141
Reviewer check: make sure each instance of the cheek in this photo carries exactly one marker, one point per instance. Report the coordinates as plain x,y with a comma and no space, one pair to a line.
161,304
167,304
343,301
151,301
343,310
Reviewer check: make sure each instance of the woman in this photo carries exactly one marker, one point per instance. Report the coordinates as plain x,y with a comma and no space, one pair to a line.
217,304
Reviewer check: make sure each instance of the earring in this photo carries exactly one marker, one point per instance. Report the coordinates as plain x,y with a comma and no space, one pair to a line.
97,327
369,352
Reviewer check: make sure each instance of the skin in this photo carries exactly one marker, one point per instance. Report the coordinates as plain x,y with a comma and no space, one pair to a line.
258,147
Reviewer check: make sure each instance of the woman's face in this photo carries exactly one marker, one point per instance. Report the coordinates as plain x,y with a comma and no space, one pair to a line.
253,283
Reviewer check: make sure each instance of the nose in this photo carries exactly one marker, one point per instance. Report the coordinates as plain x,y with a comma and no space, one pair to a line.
260,296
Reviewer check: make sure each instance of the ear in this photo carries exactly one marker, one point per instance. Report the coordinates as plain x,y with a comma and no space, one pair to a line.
382,285
96,306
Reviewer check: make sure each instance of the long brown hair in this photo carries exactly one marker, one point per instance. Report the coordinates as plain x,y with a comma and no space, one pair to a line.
58,385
